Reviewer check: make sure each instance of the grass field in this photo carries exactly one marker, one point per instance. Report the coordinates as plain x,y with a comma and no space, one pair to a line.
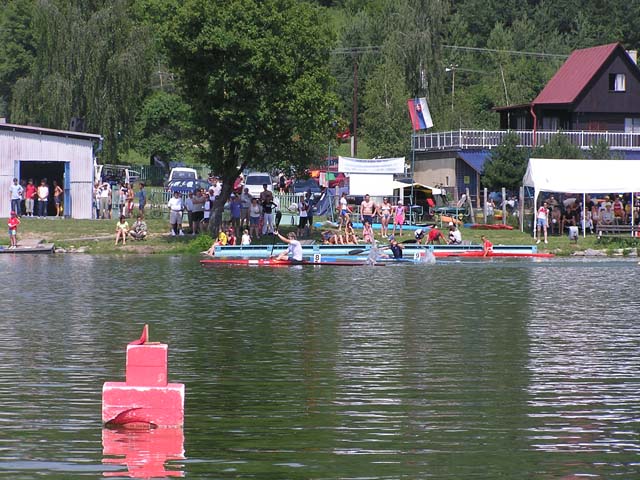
97,236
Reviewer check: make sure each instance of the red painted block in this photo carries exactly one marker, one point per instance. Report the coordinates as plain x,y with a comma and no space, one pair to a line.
147,364
162,406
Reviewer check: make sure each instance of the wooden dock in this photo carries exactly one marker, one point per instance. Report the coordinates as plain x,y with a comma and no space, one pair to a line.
29,246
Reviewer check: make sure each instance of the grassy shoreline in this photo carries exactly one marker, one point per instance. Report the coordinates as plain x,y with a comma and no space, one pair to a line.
97,236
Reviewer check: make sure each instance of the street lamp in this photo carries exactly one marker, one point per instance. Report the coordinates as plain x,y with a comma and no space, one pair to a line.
452,68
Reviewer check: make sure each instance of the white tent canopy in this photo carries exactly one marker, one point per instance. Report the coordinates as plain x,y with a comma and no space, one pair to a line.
582,176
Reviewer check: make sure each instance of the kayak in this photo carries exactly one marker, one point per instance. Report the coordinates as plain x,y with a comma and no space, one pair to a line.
272,262
480,254
488,226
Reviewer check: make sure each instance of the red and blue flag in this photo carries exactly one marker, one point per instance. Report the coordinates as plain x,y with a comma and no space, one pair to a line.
419,113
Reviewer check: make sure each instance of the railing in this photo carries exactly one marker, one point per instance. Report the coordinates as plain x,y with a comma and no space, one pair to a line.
487,139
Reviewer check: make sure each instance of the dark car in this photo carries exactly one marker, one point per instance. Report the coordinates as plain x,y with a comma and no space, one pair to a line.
309,185
186,186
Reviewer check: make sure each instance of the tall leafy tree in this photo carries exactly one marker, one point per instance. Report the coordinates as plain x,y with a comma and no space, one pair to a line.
507,164
18,48
255,75
92,62
559,146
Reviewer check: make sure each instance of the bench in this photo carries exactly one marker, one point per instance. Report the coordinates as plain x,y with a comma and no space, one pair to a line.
617,230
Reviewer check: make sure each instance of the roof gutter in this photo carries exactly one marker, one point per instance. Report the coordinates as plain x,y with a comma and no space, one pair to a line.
535,125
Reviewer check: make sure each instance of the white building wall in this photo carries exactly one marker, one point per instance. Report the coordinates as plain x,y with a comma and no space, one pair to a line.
24,146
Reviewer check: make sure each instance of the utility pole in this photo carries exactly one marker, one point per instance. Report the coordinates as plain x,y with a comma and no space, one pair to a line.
354,52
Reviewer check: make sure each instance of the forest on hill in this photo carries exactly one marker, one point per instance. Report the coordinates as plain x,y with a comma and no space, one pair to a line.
271,83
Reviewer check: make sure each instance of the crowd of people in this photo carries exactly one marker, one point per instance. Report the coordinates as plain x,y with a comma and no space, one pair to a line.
124,200
554,217
30,200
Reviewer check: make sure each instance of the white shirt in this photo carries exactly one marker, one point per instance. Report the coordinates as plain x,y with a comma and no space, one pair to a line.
16,191
295,250
246,239
105,190
43,192
175,204
455,236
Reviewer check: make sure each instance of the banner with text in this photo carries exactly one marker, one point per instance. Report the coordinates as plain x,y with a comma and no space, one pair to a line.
366,165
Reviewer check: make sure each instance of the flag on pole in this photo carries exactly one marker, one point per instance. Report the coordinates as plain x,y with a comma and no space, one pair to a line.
419,113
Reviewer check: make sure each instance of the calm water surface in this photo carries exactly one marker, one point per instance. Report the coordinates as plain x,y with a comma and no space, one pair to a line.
456,370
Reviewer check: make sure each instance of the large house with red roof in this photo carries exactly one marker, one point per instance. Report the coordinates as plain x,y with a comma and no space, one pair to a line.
594,96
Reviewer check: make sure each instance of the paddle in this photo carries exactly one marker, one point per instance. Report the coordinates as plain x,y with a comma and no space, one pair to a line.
358,251
278,218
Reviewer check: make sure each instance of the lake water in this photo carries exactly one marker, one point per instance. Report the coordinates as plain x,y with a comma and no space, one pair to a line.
486,369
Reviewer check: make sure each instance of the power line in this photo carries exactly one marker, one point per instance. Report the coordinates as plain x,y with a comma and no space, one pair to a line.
377,48
510,52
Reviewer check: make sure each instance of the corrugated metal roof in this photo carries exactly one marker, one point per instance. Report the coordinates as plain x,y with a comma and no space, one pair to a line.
49,131
574,75
474,158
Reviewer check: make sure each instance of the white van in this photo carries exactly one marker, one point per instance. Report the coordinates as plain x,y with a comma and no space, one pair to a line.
254,181
183,173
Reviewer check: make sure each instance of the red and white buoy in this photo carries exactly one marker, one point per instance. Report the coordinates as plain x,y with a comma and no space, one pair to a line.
145,398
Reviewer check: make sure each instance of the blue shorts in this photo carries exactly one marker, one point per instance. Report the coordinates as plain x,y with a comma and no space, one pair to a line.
254,220
542,222
367,218
13,232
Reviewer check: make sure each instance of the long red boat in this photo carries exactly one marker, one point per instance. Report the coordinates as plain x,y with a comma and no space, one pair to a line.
273,262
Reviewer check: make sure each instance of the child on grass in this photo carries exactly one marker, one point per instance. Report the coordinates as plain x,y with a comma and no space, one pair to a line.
13,223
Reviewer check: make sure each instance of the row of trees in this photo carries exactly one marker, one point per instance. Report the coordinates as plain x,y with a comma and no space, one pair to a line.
267,84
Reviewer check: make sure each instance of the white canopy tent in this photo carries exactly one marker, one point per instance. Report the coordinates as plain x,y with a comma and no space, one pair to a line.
582,176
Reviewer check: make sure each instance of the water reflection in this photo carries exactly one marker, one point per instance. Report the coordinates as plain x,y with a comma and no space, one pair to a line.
145,453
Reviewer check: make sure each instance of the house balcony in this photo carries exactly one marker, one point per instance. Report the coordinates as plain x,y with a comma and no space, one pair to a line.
488,139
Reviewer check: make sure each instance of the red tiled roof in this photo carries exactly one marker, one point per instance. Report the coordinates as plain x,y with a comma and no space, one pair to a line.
574,75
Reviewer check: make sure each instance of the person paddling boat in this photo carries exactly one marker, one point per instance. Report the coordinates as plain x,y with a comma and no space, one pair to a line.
294,251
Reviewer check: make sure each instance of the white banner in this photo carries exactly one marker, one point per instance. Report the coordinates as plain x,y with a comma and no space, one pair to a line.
366,165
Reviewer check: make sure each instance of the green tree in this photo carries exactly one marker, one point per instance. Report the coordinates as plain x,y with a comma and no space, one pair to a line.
559,146
18,48
387,127
506,165
164,129
255,75
602,151
92,62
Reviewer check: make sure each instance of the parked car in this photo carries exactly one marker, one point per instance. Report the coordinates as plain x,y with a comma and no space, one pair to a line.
182,173
186,186
308,185
254,182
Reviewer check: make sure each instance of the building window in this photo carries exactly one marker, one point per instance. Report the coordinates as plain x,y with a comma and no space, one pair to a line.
617,82
632,125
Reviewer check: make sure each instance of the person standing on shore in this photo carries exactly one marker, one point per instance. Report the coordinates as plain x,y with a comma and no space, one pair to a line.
58,192
13,223
542,221
16,191
367,207
175,214
43,198
30,192
142,199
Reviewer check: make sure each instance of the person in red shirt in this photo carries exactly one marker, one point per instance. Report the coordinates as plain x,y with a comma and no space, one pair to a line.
435,235
487,246
13,223
29,196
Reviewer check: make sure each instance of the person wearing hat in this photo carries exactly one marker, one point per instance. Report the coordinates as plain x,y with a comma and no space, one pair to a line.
13,223
399,212
455,237
175,213
396,248
435,235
